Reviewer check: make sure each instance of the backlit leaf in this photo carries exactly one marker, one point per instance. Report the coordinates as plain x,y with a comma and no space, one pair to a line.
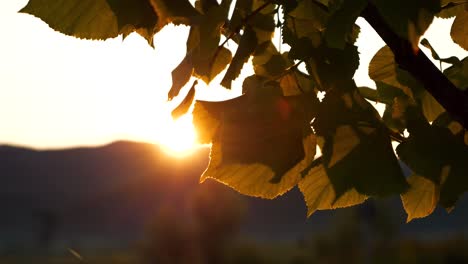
102,19
421,198
173,11
319,193
275,129
223,58
383,69
255,179
90,19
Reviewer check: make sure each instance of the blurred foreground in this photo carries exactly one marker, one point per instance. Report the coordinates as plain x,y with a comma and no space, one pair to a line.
130,203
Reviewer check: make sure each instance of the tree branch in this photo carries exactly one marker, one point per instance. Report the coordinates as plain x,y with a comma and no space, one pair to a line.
448,95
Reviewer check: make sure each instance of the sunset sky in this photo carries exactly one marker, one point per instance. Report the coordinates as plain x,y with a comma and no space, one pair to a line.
57,91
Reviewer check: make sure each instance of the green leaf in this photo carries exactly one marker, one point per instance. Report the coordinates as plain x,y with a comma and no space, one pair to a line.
341,23
90,19
459,32
261,140
255,178
357,152
184,106
409,19
364,162
102,19
421,198
319,193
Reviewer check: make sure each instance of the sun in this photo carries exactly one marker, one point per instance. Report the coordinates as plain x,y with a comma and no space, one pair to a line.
178,137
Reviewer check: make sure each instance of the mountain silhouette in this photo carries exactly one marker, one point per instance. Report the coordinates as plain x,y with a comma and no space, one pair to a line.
110,193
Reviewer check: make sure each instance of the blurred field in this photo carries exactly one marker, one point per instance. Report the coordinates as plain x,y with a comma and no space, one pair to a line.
301,252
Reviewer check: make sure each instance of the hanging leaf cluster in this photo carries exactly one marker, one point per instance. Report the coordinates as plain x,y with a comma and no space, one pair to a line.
264,142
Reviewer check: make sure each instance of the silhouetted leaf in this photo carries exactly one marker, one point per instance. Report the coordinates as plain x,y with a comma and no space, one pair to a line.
435,153
430,107
303,27
412,18
421,198
451,8
180,76
383,69
223,58
327,63
394,115
247,46
268,62
295,83
319,193
369,93
459,30
184,106
353,134
341,23
202,45
458,74
205,5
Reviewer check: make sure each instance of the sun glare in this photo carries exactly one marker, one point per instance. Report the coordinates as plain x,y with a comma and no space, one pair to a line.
178,137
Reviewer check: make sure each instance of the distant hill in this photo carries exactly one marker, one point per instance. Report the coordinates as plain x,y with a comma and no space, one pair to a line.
111,192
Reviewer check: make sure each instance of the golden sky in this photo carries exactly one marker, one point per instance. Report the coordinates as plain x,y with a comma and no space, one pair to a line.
57,91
